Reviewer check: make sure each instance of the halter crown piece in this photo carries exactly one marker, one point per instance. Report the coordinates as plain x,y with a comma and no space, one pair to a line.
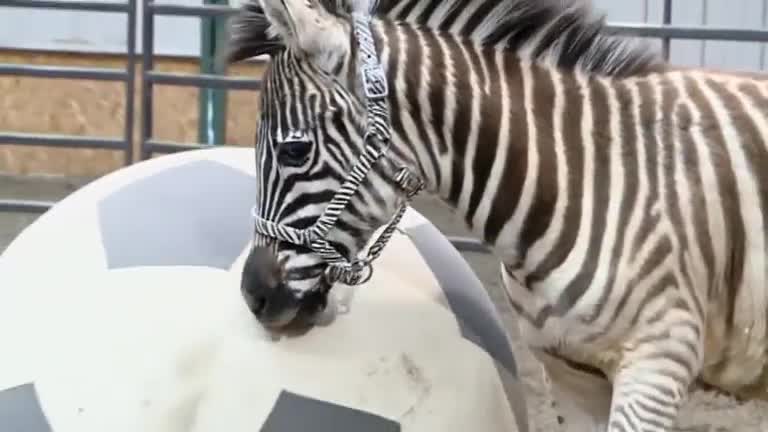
377,143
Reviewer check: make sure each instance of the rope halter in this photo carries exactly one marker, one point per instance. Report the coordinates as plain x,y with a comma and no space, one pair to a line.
377,140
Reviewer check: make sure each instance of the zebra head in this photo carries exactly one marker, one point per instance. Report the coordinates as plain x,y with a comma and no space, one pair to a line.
326,181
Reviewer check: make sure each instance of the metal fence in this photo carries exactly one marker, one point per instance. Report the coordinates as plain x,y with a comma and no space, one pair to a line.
150,77
126,75
148,146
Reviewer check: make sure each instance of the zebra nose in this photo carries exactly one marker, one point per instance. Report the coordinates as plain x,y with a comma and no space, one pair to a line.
266,296
257,304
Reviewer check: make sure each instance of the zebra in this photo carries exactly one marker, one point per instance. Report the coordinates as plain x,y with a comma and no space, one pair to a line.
626,198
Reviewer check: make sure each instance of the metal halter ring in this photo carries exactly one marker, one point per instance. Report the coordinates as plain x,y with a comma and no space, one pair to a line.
359,272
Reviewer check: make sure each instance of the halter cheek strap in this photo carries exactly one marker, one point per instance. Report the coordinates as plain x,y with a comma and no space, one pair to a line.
377,144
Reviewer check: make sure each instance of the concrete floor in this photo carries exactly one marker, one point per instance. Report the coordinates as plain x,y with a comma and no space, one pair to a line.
704,413
37,188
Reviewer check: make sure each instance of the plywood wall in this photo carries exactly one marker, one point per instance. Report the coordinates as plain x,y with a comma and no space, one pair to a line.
81,107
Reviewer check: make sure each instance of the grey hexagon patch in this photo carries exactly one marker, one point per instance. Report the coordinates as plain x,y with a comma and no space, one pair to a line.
294,412
20,410
477,316
194,214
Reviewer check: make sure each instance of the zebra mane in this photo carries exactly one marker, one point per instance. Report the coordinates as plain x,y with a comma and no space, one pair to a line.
565,33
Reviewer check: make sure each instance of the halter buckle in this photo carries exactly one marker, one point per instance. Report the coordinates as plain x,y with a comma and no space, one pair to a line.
375,82
408,182
357,273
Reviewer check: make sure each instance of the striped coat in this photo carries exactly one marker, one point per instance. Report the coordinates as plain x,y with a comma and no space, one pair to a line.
626,199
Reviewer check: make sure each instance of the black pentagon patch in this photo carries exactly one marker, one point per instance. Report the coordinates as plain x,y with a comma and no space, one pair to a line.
293,412
20,410
195,214
477,316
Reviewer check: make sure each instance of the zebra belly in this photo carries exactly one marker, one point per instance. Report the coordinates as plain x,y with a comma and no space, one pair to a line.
735,363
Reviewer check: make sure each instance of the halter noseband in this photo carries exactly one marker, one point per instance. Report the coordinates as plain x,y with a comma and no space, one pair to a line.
377,143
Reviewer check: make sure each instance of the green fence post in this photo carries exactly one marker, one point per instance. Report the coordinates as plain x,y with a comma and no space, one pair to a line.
212,123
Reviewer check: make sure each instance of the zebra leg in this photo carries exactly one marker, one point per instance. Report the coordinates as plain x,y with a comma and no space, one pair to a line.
653,380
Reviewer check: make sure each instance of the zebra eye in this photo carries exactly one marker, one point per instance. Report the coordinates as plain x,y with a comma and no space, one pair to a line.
294,152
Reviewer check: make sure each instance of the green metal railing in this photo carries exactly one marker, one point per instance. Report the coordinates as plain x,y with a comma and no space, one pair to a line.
207,83
212,126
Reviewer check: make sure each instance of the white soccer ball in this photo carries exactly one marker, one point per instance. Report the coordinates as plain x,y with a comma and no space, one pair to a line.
120,310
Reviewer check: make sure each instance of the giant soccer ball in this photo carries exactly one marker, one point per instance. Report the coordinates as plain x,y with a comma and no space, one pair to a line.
120,311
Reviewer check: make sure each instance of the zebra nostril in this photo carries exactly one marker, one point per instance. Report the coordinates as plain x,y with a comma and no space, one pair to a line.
258,305
261,304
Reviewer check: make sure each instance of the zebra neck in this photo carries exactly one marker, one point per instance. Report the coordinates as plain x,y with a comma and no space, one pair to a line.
469,117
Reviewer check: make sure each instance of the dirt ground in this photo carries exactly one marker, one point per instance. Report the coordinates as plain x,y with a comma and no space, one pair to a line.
704,413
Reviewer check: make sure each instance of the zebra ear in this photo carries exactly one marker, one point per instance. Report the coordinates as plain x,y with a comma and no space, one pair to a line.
307,26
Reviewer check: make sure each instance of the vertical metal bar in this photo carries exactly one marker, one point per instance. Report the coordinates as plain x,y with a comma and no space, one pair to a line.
130,82
763,23
667,20
645,11
704,20
204,95
147,64
220,95
212,102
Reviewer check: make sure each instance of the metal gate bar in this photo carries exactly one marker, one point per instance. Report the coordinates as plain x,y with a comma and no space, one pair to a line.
26,206
666,20
149,146
689,32
63,72
89,6
126,75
